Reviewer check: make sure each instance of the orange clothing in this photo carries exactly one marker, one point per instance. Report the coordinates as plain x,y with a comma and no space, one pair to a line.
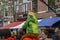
9,38
27,39
13,38
35,38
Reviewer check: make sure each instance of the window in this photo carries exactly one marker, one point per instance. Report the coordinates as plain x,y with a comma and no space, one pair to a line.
5,7
5,12
16,6
54,5
0,10
25,5
34,5
1,23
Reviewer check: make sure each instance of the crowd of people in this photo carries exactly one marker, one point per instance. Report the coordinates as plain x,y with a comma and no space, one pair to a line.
51,34
47,34
7,34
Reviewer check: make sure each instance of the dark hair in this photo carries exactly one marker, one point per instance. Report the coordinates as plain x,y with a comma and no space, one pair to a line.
46,33
49,33
6,33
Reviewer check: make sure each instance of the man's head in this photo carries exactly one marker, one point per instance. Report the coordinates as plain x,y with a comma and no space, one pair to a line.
58,33
56,29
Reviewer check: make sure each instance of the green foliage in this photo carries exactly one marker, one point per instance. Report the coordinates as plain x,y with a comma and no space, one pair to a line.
51,2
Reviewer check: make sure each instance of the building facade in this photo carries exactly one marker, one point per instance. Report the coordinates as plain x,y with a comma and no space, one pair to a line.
43,10
14,10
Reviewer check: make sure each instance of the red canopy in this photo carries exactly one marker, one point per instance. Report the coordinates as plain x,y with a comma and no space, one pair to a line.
11,25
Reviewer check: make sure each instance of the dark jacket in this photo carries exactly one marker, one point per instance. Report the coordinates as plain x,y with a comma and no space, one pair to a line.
55,38
20,34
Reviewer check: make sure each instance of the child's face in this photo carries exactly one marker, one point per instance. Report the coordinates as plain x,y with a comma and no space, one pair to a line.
44,35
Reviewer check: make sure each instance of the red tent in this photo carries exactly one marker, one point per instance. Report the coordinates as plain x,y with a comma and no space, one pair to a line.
11,25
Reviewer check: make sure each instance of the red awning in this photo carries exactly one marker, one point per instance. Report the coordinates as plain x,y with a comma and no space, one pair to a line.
11,25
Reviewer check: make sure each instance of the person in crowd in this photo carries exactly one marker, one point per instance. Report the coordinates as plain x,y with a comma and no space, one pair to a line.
8,38
56,34
20,34
13,37
6,34
45,35
31,26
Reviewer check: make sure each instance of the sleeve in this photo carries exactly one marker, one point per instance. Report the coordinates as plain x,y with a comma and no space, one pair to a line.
26,24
